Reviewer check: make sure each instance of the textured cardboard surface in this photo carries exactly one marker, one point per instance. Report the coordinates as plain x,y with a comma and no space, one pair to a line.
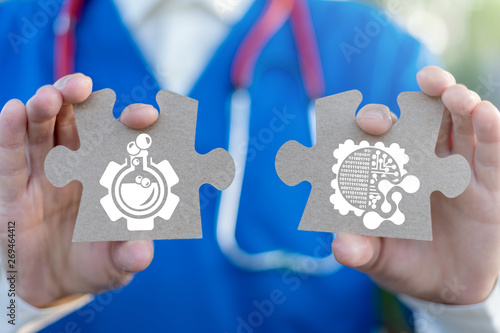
409,153
101,161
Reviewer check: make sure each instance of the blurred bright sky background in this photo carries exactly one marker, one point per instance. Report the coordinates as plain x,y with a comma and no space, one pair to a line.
464,33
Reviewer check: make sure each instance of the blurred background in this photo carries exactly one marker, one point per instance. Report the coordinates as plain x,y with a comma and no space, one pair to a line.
464,33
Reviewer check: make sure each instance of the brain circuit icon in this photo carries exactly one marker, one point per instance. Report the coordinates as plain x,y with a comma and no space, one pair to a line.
139,190
370,180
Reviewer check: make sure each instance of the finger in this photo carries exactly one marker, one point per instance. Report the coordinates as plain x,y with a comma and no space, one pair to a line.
443,143
74,89
14,171
460,102
66,132
133,256
139,116
433,80
375,119
360,252
42,110
486,121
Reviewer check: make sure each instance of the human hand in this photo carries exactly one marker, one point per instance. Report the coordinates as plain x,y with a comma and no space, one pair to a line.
50,267
461,264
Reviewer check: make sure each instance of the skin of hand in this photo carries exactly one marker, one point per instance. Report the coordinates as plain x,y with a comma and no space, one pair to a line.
462,263
50,267
466,244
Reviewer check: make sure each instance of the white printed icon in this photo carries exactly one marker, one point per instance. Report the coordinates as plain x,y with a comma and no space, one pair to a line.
139,190
369,180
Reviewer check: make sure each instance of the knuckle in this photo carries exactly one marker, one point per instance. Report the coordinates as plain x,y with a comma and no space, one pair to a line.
459,100
44,105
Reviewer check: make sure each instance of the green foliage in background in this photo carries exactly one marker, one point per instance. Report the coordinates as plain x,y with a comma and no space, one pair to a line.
464,33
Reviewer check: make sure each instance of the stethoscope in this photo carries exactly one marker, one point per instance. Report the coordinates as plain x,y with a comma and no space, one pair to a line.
273,17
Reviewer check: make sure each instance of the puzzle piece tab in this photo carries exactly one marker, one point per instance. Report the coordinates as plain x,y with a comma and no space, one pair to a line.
373,185
138,184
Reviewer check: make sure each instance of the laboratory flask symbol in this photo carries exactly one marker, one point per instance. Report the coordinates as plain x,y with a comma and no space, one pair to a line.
139,190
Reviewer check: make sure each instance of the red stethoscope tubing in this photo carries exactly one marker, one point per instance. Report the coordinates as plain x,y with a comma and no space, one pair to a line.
274,16
65,37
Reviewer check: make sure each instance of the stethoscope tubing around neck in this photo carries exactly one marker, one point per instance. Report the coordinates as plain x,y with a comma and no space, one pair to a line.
228,207
274,16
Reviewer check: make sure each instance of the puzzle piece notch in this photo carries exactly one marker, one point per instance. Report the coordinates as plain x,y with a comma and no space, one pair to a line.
195,164
292,155
104,141
93,131
458,171
415,133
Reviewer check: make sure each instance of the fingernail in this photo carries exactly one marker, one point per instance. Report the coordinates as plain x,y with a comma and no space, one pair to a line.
135,106
446,75
474,95
62,81
372,114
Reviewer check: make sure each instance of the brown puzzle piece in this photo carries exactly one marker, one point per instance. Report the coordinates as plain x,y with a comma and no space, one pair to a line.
373,185
138,184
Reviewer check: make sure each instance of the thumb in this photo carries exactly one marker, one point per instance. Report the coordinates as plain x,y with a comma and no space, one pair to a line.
132,256
359,252
375,119
139,116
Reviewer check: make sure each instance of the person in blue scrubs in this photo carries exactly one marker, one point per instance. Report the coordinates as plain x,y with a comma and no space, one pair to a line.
191,286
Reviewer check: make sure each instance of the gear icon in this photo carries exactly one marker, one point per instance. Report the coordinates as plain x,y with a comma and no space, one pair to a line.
365,175
139,190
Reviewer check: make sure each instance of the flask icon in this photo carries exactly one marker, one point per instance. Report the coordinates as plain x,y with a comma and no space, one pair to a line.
139,190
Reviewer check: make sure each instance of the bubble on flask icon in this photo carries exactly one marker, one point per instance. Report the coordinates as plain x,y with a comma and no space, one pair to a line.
132,149
143,141
145,182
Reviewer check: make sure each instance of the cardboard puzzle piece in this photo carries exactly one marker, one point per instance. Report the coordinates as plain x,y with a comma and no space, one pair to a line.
373,185
138,184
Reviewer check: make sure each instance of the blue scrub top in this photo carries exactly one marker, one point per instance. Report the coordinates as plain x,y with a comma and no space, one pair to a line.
191,286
